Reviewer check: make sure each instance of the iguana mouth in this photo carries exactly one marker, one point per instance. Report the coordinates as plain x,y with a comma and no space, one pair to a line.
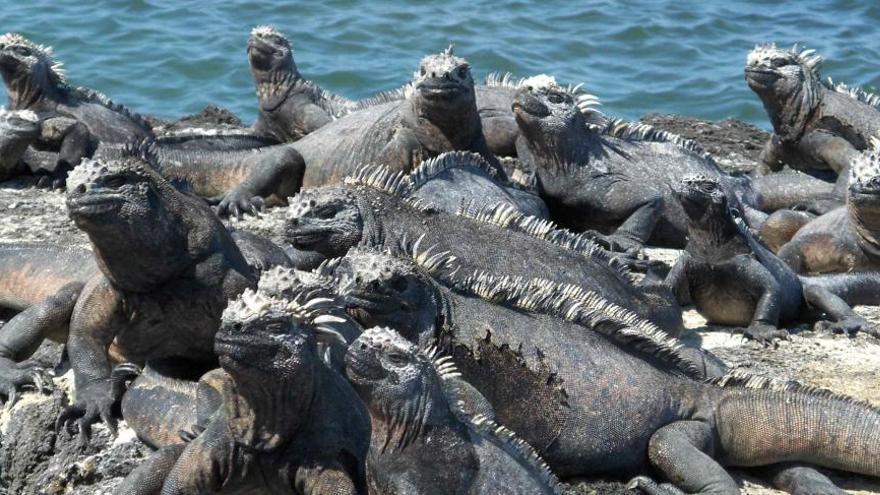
760,75
357,366
242,348
305,238
94,204
370,301
440,90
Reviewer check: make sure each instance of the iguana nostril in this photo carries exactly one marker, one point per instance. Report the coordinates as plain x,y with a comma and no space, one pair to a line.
81,189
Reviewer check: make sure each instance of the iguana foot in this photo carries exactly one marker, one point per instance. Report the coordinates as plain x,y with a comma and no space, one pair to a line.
94,404
27,374
616,243
238,203
651,487
44,181
763,333
803,480
817,207
189,435
848,326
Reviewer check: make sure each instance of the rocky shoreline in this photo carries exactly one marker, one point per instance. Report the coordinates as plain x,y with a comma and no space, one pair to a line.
36,460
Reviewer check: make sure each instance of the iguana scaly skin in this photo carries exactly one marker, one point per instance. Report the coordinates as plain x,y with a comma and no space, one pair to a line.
612,399
35,81
290,106
815,125
618,178
734,280
439,114
287,422
167,269
846,239
372,210
18,130
420,441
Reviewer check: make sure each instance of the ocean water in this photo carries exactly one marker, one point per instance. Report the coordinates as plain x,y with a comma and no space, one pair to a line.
173,57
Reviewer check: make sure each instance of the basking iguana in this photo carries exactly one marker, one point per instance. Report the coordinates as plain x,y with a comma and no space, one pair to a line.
290,106
287,423
618,178
421,442
167,268
18,129
614,397
816,126
373,209
36,82
848,238
439,114
734,280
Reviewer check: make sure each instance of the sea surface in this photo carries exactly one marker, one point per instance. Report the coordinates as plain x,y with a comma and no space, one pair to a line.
172,57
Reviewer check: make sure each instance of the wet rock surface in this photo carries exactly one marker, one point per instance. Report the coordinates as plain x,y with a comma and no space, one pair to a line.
33,459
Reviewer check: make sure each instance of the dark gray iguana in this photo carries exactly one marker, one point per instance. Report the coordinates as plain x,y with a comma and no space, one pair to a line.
290,106
848,238
287,423
18,129
615,400
36,82
420,441
372,209
816,125
618,178
167,269
439,114
734,280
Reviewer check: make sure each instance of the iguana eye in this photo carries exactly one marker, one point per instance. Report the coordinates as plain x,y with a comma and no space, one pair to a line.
397,359
555,98
462,72
422,71
20,50
115,181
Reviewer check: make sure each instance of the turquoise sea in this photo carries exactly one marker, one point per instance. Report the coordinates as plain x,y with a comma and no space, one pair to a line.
172,57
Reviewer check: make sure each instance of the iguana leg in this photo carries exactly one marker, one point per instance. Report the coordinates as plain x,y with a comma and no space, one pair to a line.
846,320
75,143
319,480
24,333
398,154
278,175
837,152
148,477
764,326
803,480
314,117
202,467
677,281
771,156
683,451
781,226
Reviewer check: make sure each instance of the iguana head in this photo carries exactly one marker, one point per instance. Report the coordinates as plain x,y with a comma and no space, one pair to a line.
442,92
269,346
270,51
380,289
701,197
18,129
549,119
324,219
399,383
28,69
864,186
787,81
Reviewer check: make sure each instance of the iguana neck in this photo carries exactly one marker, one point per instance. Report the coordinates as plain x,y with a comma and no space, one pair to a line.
265,414
444,129
556,152
397,426
790,115
372,225
25,92
715,239
866,222
273,86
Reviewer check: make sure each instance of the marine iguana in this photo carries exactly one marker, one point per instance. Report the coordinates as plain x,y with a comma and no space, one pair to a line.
816,126
290,106
18,130
732,279
848,238
439,114
421,442
35,81
372,209
167,269
619,177
287,422
615,400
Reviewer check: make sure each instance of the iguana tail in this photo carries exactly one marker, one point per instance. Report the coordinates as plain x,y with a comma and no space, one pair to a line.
160,408
761,421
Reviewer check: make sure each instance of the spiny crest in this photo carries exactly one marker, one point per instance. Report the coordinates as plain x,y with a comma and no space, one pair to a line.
90,170
302,310
763,54
443,365
584,307
744,379
380,177
518,447
383,97
867,166
506,216
638,131
433,167
855,93
430,259
439,64
266,30
45,53
281,281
